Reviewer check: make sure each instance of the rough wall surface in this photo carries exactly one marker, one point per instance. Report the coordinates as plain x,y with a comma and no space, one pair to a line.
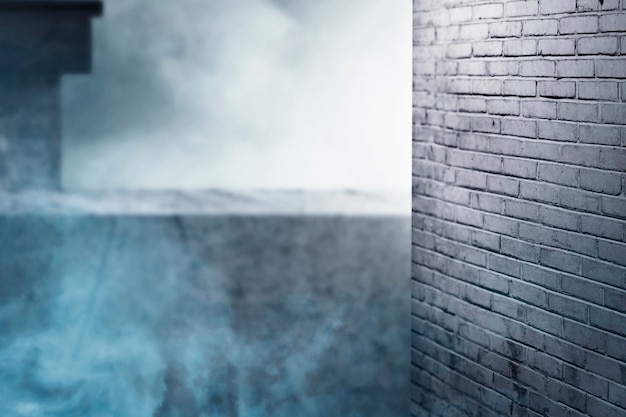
519,208
212,316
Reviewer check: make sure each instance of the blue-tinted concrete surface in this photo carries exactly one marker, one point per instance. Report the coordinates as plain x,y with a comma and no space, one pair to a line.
203,315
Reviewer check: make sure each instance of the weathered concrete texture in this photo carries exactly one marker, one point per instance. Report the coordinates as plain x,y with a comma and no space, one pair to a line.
204,315
30,132
519,208
39,42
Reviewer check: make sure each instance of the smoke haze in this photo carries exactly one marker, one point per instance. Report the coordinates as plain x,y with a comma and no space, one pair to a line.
243,94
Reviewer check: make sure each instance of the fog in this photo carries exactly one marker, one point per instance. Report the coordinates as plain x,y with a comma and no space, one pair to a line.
204,316
243,94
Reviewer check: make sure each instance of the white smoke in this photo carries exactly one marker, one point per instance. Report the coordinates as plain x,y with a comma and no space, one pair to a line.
246,94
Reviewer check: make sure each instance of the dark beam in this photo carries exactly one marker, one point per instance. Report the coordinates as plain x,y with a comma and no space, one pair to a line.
93,8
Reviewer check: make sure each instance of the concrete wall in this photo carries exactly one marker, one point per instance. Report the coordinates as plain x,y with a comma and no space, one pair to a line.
172,315
39,42
519,208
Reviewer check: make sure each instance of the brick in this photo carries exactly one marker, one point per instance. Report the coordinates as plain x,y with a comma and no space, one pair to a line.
503,107
484,49
529,294
525,335
485,240
613,158
617,395
472,104
564,350
615,299
587,381
521,8
558,239
474,180
469,217
518,127
612,251
539,109
519,168
504,265
567,307
519,249
585,336
561,6
582,288
521,88
578,112
549,47
540,27
486,202
599,181
592,5
613,113
446,68
603,227
460,14
576,200
553,130
579,24
505,145
557,89
473,141
600,408
604,366
485,124
541,276
615,347
487,87
611,68
542,320
472,67
505,29
459,50
575,68
598,134
474,31
503,68
545,364
502,225
541,150
560,174
598,90
522,47
613,22
560,260
559,218
488,11
606,45
603,272
541,68
459,86
534,191
521,210
447,33
545,406
503,185
608,320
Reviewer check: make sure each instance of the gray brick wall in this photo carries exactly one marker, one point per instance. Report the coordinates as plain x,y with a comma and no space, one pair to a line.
519,208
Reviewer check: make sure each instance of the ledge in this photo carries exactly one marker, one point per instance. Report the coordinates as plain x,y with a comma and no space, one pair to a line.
206,203
93,8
